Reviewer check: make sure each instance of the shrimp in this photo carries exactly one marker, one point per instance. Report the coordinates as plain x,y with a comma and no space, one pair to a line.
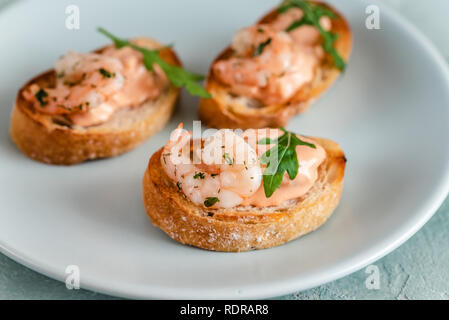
83,81
90,87
267,65
89,78
305,35
228,169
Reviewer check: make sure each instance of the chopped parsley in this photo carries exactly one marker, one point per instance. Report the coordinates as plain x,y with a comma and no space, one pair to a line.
105,73
178,76
228,159
261,47
210,201
40,96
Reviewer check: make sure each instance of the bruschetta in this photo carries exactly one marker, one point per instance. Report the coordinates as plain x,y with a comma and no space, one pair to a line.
99,104
277,67
232,192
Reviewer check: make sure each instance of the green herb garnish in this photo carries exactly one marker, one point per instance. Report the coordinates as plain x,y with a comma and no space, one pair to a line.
40,96
311,16
228,159
177,76
210,201
199,175
178,184
261,47
105,73
280,158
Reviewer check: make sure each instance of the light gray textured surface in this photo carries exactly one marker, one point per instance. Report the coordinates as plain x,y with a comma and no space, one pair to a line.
416,270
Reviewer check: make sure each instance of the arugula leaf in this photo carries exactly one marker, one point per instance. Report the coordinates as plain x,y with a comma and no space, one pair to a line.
177,76
210,201
280,158
311,16
261,47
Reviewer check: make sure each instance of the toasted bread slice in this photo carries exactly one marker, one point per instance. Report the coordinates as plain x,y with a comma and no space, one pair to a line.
55,140
243,228
225,110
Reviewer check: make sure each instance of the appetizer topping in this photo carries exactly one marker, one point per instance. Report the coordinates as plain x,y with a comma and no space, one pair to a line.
203,172
90,87
221,185
290,165
280,158
271,62
317,17
266,66
179,77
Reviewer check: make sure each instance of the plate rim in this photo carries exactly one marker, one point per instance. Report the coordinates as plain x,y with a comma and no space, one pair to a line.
274,288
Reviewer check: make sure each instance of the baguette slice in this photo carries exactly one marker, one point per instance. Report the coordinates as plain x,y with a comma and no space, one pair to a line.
225,110
243,228
54,140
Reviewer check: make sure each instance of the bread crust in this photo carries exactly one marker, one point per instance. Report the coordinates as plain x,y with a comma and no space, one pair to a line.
220,112
242,228
44,138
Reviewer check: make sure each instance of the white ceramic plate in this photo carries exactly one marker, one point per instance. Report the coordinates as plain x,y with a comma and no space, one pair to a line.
389,112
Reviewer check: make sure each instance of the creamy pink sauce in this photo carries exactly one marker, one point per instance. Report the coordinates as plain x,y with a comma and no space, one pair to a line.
309,160
91,87
287,62
238,183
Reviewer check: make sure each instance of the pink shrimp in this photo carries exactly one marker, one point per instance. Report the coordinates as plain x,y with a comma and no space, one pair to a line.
90,87
267,65
229,170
